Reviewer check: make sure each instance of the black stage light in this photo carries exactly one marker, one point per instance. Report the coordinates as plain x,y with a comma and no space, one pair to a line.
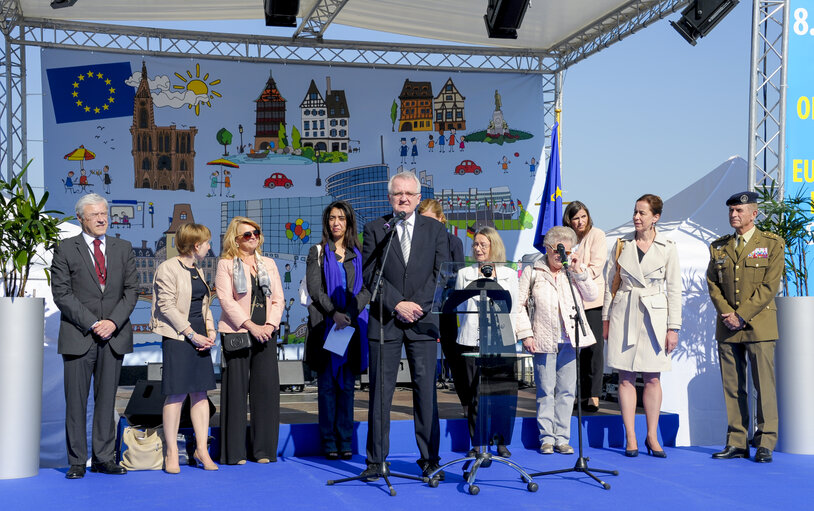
701,16
281,13
59,4
503,18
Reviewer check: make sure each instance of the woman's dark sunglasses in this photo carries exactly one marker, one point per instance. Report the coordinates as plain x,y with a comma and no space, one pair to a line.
248,234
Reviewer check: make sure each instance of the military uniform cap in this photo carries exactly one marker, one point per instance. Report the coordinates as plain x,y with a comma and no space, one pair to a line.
742,198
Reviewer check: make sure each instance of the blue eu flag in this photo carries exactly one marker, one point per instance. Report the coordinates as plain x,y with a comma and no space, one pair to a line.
92,92
551,201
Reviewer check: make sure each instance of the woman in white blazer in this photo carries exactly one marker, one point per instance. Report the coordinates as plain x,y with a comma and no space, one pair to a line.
487,247
641,317
543,335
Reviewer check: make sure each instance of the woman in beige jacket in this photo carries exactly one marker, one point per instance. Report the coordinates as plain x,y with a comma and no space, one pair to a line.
593,252
251,298
543,335
180,313
641,317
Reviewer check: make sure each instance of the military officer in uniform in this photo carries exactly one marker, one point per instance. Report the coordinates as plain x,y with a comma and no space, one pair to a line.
743,278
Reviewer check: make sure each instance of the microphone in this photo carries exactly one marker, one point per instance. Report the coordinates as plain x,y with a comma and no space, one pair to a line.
563,257
397,218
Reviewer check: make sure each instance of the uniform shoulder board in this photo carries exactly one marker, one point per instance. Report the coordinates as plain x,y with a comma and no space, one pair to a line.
722,240
772,235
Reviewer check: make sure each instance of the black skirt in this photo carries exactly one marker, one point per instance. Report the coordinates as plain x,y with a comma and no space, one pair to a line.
185,369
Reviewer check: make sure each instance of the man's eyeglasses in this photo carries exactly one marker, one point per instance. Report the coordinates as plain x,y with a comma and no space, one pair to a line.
248,234
405,194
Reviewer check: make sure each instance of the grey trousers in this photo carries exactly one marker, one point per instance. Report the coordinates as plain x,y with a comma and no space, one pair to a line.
556,378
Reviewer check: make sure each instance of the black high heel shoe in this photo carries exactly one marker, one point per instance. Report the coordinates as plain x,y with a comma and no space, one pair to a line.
653,452
631,453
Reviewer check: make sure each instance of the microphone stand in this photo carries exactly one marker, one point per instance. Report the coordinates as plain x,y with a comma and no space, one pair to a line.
383,469
582,462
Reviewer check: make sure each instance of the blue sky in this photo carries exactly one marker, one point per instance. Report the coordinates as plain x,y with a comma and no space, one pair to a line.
650,114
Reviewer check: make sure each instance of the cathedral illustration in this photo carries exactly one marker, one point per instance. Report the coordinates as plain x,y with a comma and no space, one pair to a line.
163,156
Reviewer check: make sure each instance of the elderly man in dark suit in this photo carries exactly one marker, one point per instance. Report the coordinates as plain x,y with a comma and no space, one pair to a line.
94,281
408,285
743,277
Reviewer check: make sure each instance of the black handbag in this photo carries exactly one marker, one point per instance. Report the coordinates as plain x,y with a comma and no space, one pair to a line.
235,342
232,342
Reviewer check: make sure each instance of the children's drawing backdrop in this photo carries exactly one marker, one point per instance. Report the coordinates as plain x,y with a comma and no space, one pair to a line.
170,140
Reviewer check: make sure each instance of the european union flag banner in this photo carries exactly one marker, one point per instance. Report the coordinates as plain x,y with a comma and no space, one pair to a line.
85,93
551,201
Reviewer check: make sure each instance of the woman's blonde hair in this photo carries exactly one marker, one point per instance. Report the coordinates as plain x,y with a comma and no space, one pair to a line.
189,235
434,207
229,249
497,251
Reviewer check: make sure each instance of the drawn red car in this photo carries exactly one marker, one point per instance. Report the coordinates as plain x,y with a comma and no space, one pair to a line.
467,167
277,179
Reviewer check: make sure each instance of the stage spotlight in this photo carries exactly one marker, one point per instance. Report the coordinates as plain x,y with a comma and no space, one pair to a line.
700,17
59,4
503,18
281,13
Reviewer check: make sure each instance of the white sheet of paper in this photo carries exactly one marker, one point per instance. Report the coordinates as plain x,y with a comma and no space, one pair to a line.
337,340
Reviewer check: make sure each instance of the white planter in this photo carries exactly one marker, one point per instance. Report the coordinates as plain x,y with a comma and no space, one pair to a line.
21,352
794,370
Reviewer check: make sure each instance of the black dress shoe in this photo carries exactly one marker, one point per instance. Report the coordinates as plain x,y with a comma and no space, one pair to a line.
730,452
346,455
763,455
372,472
429,468
75,472
332,455
503,452
108,467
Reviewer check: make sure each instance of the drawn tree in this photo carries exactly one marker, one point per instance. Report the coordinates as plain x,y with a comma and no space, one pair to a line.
295,138
282,135
224,138
394,110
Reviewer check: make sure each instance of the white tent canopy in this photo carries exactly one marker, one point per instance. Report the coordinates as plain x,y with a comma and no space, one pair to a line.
547,23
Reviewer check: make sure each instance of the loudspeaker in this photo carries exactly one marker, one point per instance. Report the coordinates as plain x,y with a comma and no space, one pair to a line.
504,17
147,402
281,13
700,17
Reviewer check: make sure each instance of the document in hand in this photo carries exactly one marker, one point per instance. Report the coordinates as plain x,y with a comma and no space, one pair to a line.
337,340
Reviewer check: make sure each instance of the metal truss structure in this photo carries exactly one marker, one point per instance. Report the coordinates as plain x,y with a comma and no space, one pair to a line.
767,95
315,22
305,47
618,24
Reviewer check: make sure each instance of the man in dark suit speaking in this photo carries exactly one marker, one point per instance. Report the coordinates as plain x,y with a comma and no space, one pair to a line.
408,285
93,280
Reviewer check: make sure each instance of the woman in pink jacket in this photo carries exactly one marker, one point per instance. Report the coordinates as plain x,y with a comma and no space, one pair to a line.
593,252
251,298
543,335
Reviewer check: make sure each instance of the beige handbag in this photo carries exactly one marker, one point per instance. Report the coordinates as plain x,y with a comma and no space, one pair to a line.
145,448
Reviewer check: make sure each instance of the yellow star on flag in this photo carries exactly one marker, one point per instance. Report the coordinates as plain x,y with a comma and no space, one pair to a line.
556,194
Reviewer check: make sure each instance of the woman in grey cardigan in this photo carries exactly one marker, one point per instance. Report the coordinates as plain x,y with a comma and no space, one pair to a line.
641,317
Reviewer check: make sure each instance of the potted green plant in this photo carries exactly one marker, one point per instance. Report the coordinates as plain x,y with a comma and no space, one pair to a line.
792,219
27,230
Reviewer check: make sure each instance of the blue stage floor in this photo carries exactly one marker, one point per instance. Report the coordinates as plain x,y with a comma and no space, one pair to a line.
688,480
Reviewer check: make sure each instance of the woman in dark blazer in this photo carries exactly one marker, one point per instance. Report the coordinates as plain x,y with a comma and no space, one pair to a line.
338,299
180,314
431,208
